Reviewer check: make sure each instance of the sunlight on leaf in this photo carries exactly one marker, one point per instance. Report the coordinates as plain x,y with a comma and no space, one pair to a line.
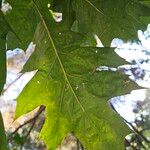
68,85
71,81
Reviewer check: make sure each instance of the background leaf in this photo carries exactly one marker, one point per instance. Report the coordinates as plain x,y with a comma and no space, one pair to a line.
110,19
3,32
3,141
4,28
23,20
26,19
2,64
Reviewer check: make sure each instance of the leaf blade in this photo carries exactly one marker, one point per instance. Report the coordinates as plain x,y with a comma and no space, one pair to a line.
118,18
63,110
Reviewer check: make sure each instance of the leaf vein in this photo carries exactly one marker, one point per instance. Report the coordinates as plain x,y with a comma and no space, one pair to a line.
56,53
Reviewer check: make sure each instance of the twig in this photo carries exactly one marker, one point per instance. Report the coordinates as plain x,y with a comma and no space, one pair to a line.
137,132
40,110
134,148
28,133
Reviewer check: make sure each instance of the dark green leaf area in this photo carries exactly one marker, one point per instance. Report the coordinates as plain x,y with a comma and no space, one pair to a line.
3,140
110,19
2,64
23,20
4,28
74,92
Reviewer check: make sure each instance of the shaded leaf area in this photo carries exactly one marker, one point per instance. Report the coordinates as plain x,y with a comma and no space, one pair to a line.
23,20
109,19
2,65
4,28
3,141
26,19
74,93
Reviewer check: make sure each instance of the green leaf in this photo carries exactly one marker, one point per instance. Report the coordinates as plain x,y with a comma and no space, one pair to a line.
74,93
0,3
4,28
23,20
2,64
146,3
111,19
3,141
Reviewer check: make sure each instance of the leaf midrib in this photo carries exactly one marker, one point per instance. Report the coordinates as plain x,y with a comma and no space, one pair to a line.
92,122
62,67
59,60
